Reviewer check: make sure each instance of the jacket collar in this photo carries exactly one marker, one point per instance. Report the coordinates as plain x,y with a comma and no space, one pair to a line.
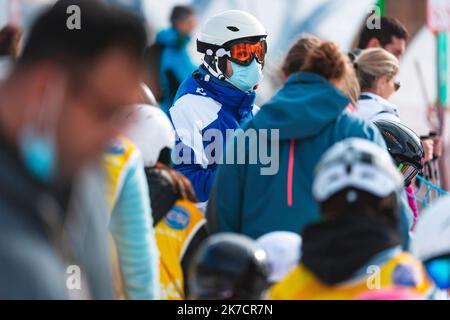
377,103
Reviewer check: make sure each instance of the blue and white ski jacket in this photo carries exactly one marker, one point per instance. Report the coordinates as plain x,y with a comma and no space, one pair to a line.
203,103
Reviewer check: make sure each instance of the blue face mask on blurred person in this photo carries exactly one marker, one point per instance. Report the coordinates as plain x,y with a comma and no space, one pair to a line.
38,153
439,270
37,147
245,78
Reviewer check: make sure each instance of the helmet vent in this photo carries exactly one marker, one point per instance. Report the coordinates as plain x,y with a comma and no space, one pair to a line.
233,28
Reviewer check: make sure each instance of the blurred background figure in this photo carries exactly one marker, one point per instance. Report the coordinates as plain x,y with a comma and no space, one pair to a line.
391,36
229,266
175,63
60,107
358,188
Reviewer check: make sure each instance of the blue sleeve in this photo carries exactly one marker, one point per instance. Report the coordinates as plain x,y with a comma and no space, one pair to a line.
201,179
132,228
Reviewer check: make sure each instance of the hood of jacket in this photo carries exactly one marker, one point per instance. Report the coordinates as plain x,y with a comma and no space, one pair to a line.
371,106
303,107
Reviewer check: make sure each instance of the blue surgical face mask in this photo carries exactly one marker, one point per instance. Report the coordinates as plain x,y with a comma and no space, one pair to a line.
245,78
37,147
38,153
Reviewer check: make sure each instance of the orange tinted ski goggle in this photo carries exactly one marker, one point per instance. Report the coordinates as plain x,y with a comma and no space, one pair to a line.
243,53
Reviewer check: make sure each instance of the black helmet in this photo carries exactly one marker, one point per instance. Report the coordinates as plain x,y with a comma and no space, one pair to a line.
228,266
404,146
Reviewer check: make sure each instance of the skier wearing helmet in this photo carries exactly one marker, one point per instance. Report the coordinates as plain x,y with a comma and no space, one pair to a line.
357,245
220,94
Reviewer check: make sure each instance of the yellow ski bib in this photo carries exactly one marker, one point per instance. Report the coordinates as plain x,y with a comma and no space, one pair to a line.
173,236
402,270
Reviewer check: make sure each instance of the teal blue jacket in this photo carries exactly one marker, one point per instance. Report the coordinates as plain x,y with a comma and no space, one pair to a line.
310,114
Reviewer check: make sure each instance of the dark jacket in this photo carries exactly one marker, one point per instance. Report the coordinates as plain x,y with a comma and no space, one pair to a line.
39,239
310,115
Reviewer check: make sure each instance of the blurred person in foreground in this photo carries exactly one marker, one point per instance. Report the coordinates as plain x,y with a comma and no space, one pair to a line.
60,107
229,266
356,246
175,63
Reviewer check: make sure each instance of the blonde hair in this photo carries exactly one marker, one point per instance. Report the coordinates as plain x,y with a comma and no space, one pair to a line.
350,85
374,63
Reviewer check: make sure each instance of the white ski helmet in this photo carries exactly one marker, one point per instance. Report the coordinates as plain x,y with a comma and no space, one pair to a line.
151,131
356,163
222,29
283,252
432,235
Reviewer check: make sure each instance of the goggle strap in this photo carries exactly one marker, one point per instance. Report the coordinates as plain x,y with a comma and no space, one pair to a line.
203,47
222,52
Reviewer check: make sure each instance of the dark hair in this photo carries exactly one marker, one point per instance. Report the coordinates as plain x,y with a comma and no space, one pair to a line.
327,60
180,13
386,208
390,27
297,54
102,27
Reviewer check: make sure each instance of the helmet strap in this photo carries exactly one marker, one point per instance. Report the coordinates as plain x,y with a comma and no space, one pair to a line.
216,66
214,59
